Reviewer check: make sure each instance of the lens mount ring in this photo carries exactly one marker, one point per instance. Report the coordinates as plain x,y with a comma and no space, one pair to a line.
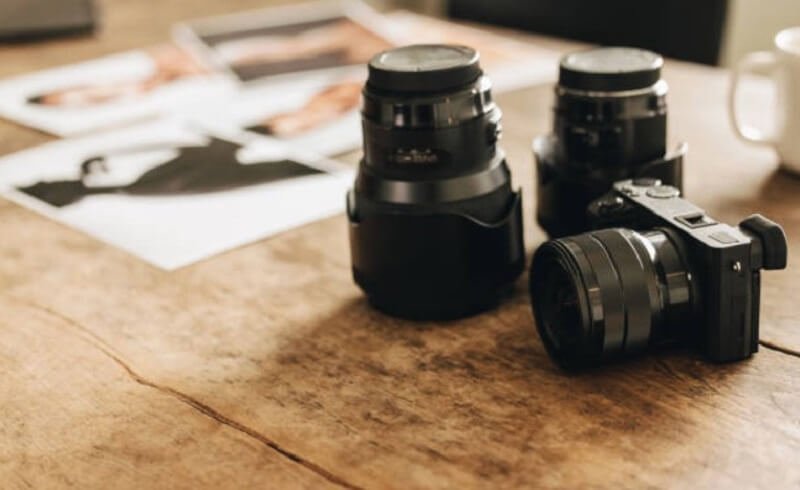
679,292
651,258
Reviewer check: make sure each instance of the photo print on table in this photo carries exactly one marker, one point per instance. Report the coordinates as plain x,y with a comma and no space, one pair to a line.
173,194
288,40
319,113
111,91
318,108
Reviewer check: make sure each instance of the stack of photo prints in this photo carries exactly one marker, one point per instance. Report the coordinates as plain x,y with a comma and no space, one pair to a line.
222,136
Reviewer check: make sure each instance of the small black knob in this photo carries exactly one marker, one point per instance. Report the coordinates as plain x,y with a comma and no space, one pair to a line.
608,205
773,240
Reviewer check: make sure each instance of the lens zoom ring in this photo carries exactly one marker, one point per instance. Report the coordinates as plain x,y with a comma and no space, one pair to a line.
633,284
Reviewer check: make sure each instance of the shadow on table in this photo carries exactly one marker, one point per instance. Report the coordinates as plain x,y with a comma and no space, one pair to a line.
480,398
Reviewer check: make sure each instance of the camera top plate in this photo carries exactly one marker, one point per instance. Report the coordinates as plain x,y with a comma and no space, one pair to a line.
664,202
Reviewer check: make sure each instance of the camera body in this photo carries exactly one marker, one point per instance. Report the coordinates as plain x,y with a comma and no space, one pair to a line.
722,262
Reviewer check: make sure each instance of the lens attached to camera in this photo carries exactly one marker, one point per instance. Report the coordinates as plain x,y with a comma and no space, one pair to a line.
610,124
656,270
435,227
610,293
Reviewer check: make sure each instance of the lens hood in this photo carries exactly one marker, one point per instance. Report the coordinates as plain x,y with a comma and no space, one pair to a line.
435,266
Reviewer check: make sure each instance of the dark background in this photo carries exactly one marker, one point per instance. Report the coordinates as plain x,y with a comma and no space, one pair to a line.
683,29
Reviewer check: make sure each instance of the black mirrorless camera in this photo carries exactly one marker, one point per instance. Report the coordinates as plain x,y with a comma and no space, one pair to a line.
657,270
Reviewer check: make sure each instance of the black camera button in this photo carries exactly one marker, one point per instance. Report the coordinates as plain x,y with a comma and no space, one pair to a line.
663,192
645,182
608,205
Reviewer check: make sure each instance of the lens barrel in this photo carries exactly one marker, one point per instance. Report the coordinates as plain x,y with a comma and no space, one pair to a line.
610,293
435,226
610,108
610,123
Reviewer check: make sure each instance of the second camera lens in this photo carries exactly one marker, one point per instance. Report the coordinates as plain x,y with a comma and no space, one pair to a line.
610,124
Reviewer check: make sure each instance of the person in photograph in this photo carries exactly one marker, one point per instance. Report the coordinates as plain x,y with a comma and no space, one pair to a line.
170,63
212,167
322,108
322,44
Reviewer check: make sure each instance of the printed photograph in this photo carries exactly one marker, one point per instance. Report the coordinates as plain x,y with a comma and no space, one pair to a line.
172,194
110,91
287,40
319,113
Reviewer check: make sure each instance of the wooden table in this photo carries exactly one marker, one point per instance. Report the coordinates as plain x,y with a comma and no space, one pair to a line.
265,368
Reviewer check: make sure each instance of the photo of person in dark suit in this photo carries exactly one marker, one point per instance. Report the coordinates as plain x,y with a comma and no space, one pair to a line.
212,167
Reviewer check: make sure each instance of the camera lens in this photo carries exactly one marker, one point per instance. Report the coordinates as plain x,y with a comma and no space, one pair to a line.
435,227
610,124
610,108
428,114
610,293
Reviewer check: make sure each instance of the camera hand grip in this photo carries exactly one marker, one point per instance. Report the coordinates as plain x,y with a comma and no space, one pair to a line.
761,61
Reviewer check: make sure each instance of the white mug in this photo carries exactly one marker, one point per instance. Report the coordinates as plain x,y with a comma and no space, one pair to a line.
783,64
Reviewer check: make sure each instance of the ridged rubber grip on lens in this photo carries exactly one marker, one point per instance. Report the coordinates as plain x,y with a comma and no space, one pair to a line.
613,312
633,284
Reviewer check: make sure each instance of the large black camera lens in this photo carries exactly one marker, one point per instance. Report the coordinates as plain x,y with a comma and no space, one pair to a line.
610,293
435,227
610,124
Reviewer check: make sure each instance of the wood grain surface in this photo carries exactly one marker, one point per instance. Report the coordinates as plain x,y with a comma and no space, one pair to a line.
264,367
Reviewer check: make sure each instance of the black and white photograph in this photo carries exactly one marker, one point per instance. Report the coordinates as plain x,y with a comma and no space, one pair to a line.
173,194
318,113
282,41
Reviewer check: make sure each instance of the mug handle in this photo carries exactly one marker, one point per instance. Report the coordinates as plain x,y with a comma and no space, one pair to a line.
759,61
